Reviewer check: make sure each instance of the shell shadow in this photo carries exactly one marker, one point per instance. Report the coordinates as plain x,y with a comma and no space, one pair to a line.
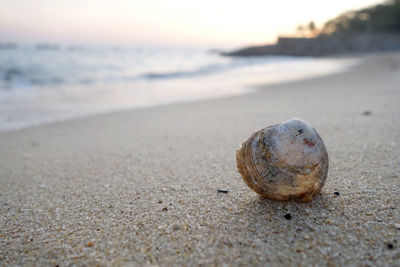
264,216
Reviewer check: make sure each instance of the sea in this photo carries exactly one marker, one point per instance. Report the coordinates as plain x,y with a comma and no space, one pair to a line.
48,83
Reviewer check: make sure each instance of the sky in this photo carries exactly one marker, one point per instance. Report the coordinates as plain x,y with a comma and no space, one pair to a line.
216,23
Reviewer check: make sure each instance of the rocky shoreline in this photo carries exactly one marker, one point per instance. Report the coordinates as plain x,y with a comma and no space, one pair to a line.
323,45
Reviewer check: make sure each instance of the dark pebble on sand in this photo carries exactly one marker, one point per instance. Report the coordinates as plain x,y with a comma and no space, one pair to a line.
367,113
390,246
336,193
222,191
288,216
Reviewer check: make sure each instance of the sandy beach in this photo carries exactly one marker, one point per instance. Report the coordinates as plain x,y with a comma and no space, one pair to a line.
140,187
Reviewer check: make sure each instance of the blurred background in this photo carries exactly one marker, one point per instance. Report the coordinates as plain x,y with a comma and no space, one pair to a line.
67,59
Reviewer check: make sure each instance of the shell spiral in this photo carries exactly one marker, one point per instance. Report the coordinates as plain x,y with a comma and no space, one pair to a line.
284,161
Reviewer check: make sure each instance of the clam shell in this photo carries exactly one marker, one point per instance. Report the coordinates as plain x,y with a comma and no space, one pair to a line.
284,161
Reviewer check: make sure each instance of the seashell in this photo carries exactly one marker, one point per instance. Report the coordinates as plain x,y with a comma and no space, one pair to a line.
284,161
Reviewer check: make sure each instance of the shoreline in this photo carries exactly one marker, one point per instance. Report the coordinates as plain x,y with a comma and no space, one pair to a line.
353,61
141,186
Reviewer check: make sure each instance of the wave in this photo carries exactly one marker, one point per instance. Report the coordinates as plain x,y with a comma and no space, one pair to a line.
212,68
41,70
181,74
12,77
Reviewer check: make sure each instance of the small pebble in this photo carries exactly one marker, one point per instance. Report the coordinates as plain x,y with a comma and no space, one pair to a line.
390,246
176,227
336,193
90,244
288,216
367,113
222,191
165,209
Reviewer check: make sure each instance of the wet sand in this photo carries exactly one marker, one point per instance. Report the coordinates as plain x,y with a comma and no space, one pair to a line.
140,186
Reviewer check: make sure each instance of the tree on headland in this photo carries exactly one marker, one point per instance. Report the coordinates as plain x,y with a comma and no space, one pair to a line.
312,28
309,30
382,18
300,30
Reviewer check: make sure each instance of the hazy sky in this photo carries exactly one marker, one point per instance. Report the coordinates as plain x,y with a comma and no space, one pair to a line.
191,22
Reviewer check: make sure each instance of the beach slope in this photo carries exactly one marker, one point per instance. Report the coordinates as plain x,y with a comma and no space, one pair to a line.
142,186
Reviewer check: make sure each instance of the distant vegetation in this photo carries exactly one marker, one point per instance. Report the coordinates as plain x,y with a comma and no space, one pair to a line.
371,29
382,18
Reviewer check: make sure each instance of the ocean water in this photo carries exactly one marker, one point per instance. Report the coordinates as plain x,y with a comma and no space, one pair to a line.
42,84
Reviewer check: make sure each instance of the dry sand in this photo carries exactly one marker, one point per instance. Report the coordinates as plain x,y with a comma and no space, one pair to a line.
141,186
